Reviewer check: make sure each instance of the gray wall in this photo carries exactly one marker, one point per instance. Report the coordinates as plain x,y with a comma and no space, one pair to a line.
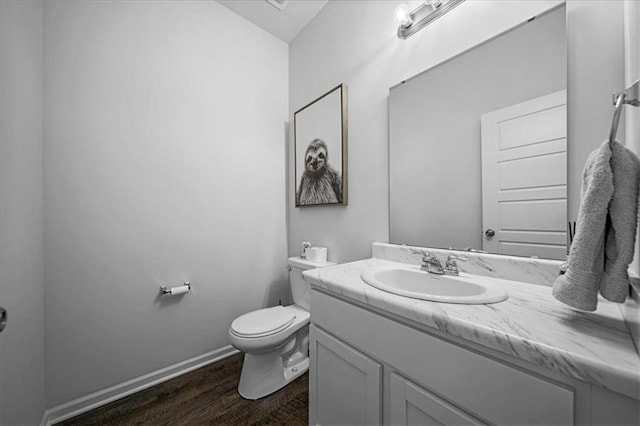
434,130
369,59
21,255
596,70
355,43
164,163
631,311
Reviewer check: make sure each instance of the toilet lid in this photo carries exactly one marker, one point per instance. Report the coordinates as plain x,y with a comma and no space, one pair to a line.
263,322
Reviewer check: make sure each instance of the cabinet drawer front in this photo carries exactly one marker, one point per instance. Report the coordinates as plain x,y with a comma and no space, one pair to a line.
348,391
482,386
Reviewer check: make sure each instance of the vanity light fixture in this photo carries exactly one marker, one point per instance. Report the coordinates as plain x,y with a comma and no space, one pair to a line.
412,22
278,4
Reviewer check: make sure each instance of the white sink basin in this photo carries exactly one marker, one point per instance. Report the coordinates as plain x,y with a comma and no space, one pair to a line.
410,281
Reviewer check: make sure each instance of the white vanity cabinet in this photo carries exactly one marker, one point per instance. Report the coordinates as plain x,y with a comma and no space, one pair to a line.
410,404
348,392
372,368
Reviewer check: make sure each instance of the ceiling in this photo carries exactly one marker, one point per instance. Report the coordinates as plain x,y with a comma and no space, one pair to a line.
285,24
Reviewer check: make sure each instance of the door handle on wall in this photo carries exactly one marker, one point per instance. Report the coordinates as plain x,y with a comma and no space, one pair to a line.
3,318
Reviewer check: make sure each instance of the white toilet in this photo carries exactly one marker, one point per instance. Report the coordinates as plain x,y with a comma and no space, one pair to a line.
275,340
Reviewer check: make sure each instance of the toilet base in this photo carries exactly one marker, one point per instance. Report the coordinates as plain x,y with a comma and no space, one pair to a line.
264,373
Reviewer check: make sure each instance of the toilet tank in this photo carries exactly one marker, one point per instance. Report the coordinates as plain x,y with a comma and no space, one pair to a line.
300,289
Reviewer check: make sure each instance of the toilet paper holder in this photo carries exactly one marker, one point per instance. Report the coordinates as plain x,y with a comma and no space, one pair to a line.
186,287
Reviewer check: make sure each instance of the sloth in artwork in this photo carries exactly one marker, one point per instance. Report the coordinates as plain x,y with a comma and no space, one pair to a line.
320,183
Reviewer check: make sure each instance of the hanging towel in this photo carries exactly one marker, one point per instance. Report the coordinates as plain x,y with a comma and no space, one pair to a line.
579,286
620,236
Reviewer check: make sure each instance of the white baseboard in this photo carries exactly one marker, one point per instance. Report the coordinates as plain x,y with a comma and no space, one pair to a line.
110,394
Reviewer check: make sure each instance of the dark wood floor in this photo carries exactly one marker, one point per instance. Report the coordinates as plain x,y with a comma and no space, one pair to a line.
207,396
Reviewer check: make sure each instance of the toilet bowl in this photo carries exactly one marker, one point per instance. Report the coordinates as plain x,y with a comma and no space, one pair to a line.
276,339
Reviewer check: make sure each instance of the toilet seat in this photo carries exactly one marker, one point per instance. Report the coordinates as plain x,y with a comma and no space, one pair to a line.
276,346
263,322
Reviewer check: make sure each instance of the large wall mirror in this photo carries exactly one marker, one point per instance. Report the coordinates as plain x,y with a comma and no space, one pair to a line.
478,147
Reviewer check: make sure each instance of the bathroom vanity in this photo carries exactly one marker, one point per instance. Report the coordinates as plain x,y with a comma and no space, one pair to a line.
381,358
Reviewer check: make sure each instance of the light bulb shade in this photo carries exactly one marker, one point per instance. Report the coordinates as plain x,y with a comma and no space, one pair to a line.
403,15
423,15
435,3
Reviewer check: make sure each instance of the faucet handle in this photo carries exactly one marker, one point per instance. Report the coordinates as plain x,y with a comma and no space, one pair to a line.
428,257
454,257
431,264
451,267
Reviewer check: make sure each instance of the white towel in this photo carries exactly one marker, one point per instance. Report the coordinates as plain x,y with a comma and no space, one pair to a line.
579,286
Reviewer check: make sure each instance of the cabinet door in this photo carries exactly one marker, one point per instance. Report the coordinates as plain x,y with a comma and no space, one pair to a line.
413,405
344,384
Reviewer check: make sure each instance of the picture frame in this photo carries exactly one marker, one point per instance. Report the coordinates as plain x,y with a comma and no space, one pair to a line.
320,150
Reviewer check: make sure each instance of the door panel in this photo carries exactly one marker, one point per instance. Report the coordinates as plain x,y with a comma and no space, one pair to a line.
532,127
534,216
524,173
524,178
22,399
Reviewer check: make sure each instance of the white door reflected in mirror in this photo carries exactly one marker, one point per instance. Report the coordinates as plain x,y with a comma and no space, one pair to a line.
524,178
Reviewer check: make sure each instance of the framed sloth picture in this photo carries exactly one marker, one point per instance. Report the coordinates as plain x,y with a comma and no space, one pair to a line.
320,146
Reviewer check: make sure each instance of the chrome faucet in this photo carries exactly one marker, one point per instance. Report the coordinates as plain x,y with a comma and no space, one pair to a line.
451,267
431,264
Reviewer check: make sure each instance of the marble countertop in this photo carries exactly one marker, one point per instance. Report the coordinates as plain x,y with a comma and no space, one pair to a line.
531,325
